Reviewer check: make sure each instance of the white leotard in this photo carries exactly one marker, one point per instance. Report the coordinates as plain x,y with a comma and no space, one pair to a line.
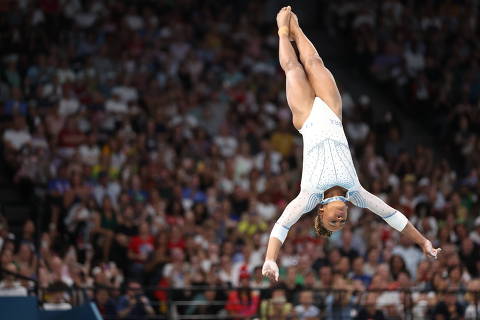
327,162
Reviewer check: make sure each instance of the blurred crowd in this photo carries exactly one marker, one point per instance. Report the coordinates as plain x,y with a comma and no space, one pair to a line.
160,142
427,54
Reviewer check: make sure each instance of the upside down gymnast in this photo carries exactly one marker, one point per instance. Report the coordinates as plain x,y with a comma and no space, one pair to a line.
328,176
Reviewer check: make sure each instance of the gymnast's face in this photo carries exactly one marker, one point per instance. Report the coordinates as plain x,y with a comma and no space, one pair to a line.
334,215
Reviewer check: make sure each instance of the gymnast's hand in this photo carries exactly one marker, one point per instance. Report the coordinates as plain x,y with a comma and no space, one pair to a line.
429,250
270,270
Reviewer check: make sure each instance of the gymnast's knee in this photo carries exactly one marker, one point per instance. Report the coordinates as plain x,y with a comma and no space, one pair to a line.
292,65
312,62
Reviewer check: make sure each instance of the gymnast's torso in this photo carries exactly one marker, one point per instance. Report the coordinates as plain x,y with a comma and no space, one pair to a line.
327,161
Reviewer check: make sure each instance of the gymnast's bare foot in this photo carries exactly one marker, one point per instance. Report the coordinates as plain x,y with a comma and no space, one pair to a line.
283,19
294,26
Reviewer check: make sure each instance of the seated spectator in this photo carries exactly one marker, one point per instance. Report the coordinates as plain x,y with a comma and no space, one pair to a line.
70,137
325,275
369,309
69,104
397,265
104,225
134,304
448,307
15,105
339,305
243,302
105,304
410,254
176,270
206,303
358,272
115,105
305,310
277,307
57,297
372,260
8,286
140,248
18,135
472,310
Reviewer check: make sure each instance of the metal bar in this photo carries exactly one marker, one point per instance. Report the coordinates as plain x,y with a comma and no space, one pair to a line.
209,316
475,294
199,303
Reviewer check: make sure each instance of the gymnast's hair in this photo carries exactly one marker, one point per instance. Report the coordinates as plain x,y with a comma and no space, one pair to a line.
319,227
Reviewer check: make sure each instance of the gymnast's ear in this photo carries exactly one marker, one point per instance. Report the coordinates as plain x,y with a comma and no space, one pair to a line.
320,209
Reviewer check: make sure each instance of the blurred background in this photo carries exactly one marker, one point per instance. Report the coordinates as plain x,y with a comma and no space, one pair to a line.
147,149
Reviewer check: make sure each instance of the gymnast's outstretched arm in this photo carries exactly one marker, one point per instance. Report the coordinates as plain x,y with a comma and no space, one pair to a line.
364,199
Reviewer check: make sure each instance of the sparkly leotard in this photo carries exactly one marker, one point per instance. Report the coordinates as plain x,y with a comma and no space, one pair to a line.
327,163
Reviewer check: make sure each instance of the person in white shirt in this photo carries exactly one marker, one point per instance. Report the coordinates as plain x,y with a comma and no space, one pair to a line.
90,152
69,104
475,234
226,143
116,105
306,310
410,254
126,92
9,287
18,136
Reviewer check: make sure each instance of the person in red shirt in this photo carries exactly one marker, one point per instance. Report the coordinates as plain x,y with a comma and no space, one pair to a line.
176,239
243,302
70,137
140,248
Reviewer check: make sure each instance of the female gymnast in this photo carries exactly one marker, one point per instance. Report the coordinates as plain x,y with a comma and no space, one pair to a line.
328,176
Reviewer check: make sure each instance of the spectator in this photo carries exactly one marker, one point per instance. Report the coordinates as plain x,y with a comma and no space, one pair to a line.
397,265
369,309
339,305
358,272
17,136
448,307
276,307
8,286
471,311
140,248
206,303
134,304
105,303
176,271
243,302
410,254
305,310
469,254
57,298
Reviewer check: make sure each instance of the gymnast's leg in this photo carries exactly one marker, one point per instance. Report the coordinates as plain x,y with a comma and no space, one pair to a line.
300,94
320,78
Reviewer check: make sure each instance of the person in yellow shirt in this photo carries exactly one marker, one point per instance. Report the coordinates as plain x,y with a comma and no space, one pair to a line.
276,307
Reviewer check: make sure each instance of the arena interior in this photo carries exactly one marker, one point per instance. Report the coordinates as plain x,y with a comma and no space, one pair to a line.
148,149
